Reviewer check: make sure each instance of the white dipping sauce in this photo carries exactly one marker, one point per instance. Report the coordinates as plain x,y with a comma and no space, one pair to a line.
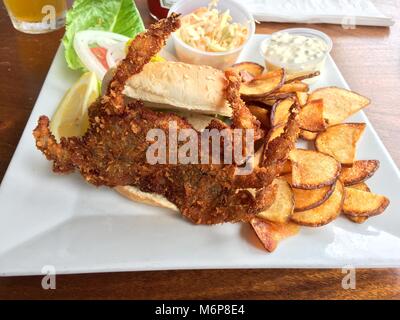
295,49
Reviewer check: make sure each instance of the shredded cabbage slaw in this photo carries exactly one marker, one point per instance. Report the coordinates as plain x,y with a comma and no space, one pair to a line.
209,30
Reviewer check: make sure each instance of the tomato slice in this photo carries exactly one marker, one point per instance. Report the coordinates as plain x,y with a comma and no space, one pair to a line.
101,55
99,50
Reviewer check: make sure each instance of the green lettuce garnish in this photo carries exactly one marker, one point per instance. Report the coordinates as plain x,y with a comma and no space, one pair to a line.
119,16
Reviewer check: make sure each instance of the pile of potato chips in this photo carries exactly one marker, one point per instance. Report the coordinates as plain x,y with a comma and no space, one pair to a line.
317,185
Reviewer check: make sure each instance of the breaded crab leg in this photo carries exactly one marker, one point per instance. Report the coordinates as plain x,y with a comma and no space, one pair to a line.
242,117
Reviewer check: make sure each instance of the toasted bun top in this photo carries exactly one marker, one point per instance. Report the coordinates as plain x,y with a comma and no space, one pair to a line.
181,86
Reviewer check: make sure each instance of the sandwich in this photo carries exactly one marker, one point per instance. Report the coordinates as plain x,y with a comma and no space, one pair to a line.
140,96
194,92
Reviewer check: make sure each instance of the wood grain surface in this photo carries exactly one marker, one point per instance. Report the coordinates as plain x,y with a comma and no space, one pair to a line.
369,59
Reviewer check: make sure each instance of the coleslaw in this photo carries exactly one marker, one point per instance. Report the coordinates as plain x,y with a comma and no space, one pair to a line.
209,30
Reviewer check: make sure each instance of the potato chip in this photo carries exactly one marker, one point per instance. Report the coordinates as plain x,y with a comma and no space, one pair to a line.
283,205
312,169
339,104
340,141
300,76
269,102
309,199
360,171
361,186
275,132
358,220
360,203
295,86
263,85
302,98
307,135
279,96
287,168
271,233
261,114
311,116
323,214
280,112
251,67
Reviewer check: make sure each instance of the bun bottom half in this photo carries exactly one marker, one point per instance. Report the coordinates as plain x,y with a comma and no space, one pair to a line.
153,199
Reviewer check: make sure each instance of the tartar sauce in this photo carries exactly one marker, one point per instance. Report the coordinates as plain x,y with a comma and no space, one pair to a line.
295,49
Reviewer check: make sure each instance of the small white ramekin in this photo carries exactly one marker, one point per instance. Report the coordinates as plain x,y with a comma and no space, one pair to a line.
313,65
220,60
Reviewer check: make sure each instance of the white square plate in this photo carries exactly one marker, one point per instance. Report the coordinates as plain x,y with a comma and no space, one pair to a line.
46,219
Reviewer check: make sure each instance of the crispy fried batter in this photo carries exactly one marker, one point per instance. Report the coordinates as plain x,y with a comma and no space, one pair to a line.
203,193
242,116
113,151
274,156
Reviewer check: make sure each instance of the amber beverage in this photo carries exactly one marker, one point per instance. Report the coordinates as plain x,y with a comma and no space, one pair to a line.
36,16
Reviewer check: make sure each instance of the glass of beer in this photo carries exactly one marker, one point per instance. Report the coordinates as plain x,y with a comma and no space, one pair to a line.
37,16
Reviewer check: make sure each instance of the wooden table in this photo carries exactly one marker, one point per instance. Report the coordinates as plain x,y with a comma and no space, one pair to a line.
369,60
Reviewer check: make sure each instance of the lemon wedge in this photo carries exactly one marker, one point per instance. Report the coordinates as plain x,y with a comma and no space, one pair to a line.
71,117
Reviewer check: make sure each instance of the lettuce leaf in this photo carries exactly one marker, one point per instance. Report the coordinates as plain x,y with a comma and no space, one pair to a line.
119,16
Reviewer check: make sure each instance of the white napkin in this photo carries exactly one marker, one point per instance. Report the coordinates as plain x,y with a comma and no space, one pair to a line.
344,12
